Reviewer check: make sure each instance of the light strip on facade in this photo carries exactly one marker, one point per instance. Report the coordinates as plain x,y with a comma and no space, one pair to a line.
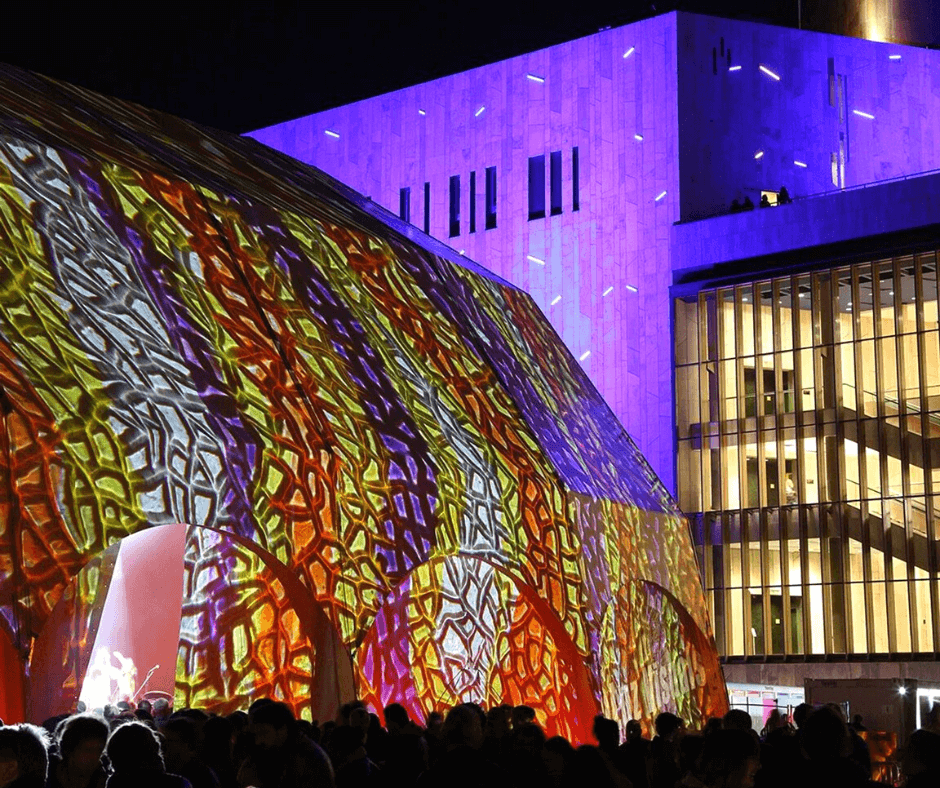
863,114
769,73
555,300
333,134
632,289
734,68
479,112
759,154
585,354
638,137
660,196
894,57
799,163
608,291
422,112
535,78
629,52
534,259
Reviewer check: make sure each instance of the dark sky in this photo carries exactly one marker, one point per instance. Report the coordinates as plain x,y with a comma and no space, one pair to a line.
253,64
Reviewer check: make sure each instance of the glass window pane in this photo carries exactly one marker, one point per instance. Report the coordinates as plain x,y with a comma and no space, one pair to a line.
889,374
879,605
726,323
847,370
931,368
859,640
928,272
910,376
923,627
867,379
728,385
884,292
863,304
844,329
686,330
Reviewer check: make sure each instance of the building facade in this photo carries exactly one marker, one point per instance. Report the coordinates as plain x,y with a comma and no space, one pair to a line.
778,367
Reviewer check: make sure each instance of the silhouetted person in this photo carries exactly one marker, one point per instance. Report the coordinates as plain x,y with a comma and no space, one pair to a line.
663,763
737,720
281,756
522,715
633,755
461,764
921,760
558,757
764,201
783,196
351,763
828,747
136,760
181,753
23,756
857,724
607,734
735,206
80,741
729,759
748,204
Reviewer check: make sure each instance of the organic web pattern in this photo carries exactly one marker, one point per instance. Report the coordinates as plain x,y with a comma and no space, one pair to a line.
399,484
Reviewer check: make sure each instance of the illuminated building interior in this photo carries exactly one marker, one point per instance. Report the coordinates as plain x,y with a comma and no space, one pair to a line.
808,415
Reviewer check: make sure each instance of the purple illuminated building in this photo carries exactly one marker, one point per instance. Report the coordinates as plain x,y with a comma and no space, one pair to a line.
778,368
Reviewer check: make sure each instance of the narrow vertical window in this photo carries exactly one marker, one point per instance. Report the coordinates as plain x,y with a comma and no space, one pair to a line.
555,181
473,201
404,204
575,178
490,198
536,187
454,205
714,60
427,208
831,66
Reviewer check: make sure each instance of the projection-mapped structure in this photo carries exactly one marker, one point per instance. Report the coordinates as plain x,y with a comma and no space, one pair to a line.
361,468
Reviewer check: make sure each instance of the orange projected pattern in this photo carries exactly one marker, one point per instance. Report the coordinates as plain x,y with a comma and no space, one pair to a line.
425,493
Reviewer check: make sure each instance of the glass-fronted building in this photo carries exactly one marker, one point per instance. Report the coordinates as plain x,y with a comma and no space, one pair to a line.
808,426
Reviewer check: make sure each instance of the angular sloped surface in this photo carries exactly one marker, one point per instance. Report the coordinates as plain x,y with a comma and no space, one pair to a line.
195,329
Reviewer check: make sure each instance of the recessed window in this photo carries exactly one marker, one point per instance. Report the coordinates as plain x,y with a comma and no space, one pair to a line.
575,178
427,208
473,201
454,205
404,204
490,198
536,187
555,181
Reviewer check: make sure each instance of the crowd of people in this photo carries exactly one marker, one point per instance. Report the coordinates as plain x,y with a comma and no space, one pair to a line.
504,747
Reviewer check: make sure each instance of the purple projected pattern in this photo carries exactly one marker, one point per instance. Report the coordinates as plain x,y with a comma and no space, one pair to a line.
654,124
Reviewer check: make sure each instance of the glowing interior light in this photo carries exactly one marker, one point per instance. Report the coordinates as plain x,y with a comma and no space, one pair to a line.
863,114
799,163
661,195
330,133
556,299
535,78
802,295
745,298
734,68
902,690
608,290
422,112
769,73
629,52
894,57
638,137
479,112
632,289
460,252
535,259
759,154
585,354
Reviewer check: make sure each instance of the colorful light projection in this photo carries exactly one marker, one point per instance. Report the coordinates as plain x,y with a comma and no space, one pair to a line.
398,482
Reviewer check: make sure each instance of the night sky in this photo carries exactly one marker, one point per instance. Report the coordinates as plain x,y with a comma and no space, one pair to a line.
252,64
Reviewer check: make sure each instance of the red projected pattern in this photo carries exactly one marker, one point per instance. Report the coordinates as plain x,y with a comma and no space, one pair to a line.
401,485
